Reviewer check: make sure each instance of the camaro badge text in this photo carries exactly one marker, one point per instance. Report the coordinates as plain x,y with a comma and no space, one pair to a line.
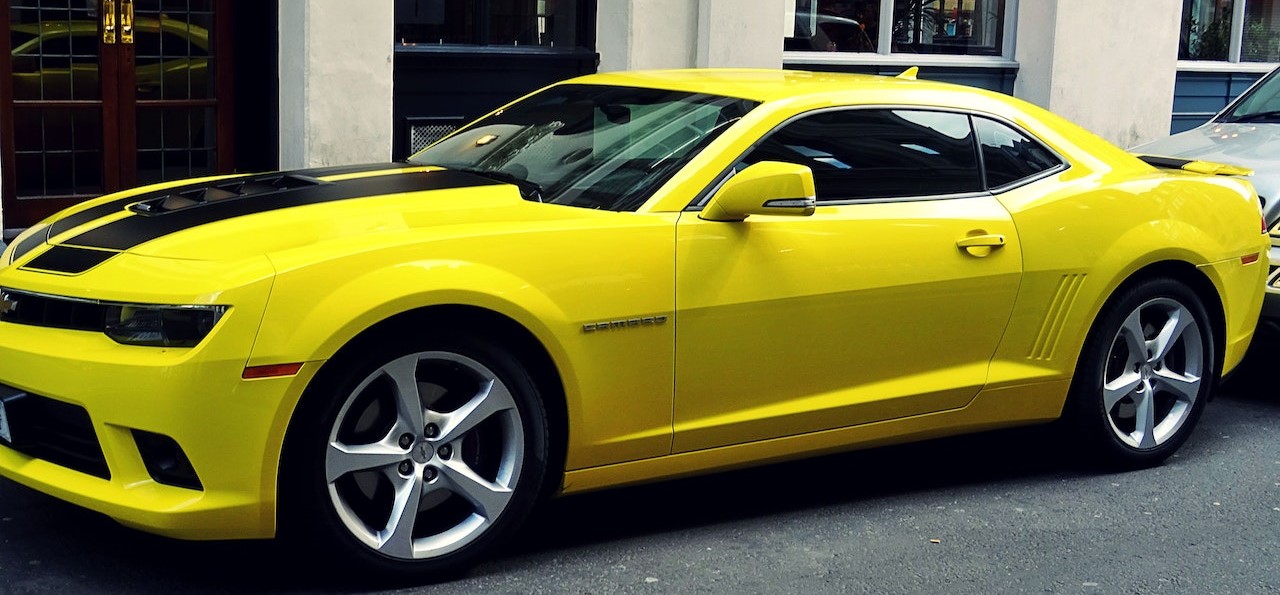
614,325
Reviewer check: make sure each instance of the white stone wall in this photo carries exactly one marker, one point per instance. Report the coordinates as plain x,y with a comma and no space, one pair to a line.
648,34
335,82
1108,65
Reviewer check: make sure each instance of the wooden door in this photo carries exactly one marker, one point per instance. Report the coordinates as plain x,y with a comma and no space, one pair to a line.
100,95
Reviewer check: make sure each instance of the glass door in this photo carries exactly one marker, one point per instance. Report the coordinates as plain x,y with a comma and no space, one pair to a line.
99,95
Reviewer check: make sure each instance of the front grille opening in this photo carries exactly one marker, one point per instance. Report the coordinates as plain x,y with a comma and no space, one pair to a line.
166,461
220,192
38,310
58,432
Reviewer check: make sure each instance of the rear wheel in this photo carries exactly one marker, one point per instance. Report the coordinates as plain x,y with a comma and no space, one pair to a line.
1144,375
419,459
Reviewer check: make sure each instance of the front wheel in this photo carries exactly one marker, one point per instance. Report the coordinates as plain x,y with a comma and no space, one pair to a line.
417,460
1144,375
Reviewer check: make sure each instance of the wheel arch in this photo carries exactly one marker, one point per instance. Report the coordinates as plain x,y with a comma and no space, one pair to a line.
1197,281
478,321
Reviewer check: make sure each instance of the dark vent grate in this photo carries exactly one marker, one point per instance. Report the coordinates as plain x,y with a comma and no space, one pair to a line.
38,310
219,192
58,432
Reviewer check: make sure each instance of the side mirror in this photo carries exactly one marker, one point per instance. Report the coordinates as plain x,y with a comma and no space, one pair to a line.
766,188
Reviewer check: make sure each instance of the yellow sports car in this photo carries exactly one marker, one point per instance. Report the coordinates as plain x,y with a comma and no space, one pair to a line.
621,278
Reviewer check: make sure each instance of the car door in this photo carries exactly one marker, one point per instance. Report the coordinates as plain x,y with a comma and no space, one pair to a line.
887,302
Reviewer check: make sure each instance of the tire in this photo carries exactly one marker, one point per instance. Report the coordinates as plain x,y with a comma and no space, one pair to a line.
1144,375
414,461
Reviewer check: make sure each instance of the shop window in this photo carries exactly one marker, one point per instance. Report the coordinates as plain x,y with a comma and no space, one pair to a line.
536,23
1222,30
957,27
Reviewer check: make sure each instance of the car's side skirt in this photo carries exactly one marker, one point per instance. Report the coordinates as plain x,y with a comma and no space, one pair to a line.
991,409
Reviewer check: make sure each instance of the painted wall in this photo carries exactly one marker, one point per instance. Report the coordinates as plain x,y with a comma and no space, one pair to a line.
335,82
647,34
1108,65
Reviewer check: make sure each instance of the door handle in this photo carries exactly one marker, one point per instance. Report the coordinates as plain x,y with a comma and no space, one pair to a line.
109,22
993,240
126,21
981,245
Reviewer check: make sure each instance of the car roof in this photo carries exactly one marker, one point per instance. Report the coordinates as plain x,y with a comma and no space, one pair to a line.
761,84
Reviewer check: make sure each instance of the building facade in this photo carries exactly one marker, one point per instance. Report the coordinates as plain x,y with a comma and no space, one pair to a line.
98,95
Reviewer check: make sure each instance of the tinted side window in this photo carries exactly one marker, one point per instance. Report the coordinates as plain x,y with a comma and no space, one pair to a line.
879,153
1009,156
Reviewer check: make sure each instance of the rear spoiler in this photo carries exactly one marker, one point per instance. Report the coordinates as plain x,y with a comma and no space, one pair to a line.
1200,167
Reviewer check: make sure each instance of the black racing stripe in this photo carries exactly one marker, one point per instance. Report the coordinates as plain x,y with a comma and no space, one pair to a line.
30,243
75,220
126,233
65,259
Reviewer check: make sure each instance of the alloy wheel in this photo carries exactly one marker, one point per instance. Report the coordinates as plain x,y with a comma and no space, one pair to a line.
1154,372
424,455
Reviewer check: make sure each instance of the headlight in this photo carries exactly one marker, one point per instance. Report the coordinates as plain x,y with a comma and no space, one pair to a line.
160,326
131,324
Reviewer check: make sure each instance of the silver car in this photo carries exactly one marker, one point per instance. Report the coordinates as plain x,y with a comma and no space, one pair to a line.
1247,134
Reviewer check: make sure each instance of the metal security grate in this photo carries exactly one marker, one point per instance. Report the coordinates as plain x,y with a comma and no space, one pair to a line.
420,136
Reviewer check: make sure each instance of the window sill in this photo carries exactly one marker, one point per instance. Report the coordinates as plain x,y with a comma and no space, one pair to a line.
1216,66
904,60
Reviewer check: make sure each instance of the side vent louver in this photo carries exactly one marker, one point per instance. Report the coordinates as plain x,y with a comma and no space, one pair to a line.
1051,328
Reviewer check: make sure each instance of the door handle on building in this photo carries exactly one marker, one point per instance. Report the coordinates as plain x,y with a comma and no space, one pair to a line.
126,21
109,22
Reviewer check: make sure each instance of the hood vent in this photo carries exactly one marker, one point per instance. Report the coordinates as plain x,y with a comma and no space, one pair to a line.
241,188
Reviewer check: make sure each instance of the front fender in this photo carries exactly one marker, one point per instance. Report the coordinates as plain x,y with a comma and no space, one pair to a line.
298,328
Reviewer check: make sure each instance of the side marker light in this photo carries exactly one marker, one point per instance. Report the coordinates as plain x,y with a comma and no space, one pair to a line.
271,371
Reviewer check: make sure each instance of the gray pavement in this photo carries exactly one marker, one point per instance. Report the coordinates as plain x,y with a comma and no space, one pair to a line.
997,512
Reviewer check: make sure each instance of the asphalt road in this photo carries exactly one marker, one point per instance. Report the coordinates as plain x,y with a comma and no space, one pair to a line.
998,512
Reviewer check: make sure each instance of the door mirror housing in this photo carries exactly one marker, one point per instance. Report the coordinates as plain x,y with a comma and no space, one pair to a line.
766,188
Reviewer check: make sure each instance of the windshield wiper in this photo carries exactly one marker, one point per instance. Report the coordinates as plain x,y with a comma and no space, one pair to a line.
529,189
1258,117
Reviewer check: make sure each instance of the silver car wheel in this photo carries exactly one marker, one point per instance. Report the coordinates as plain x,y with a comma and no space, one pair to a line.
424,455
1154,372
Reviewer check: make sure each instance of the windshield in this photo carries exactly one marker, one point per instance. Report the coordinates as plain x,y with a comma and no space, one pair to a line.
590,146
1261,104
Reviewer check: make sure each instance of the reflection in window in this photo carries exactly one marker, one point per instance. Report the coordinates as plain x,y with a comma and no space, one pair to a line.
967,27
876,154
1207,31
1008,156
589,146
1261,41
539,23
821,25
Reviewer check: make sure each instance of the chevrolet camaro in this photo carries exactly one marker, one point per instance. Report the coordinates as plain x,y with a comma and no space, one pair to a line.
620,278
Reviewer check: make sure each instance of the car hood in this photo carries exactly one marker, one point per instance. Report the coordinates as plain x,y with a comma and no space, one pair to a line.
1254,146
236,218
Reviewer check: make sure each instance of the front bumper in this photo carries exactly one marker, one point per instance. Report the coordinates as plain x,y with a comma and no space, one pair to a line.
230,430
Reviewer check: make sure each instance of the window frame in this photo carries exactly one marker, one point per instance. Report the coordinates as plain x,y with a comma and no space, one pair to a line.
700,201
1235,44
885,56
584,31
